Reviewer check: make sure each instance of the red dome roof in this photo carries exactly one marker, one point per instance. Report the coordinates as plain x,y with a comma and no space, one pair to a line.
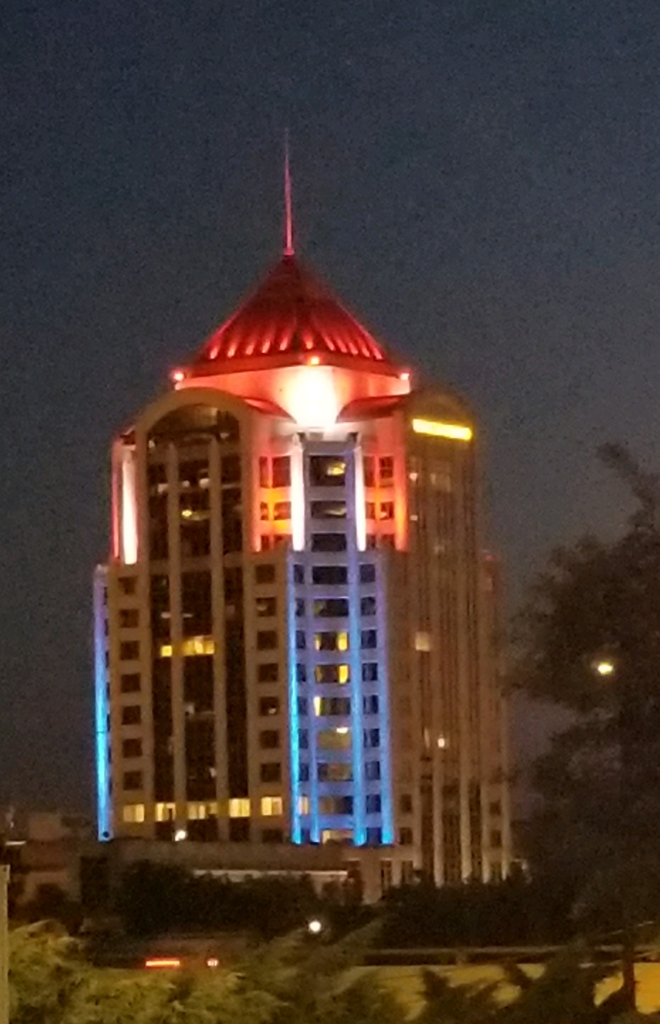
291,318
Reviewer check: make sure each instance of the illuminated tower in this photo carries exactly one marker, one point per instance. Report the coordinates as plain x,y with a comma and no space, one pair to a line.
294,630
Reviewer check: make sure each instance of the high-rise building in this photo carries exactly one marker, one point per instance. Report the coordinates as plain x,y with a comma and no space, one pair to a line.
295,628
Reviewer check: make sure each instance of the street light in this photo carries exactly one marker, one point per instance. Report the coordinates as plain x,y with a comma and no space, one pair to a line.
315,927
604,667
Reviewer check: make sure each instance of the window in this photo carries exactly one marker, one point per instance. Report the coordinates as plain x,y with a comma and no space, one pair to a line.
327,471
496,807
422,641
300,608
328,542
339,674
373,803
372,737
303,772
266,607
133,814
372,771
331,641
496,838
374,836
271,772
132,780
282,471
239,808
303,804
131,748
386,510
299,574
301,640
230,470
370,672
196,606
368,639
266,640
331,608
328,510
127,585
367,573
131,715
264,475
269,739
268,672
406,803
129,650
264,573
370,510
368,606
334,771
370,705
405,837
302,705
269,706
265,544
336,805
369,466
165,812
271,806
386,468
282,510
129,618
329,575
272,835
301,674
334,739
332,706
386,879
263,511
130,682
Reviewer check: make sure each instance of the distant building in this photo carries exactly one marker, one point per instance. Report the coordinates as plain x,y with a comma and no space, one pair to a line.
295,625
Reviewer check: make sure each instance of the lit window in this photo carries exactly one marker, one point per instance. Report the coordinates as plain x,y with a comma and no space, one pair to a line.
239,807
386,467
386,510
197,645
165,812
271,806
282,510
133,814
422,642
199,812
303,805
331,641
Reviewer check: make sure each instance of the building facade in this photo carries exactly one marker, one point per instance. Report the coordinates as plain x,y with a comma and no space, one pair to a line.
295,629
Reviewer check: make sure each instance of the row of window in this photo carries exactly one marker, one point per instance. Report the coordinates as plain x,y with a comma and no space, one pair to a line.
269,807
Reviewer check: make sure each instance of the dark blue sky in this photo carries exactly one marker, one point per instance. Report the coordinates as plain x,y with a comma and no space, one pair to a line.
477,179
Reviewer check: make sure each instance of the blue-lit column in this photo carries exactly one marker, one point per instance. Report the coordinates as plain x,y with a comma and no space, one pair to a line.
387,817
294,716
101,709
354,606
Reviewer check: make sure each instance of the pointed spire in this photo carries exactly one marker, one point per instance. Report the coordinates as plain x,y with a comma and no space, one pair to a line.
288,214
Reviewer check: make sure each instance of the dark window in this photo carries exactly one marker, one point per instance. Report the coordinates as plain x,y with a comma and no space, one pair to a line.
370,510
328,542
265,544
496,807
282,471
370,672
334,771
269,739
230,471
386,466
264,475
367,573
303,739
299,574
129,650
269,706
328,510
336,805
372,771
372,803
386,510
127,584
406,803
303,772
327,471
263,511
264,573
159,597
272,835
302,705
368,639
301,673
129,618
369,464
266,607
329,575
300,607
271,772
496,838
131,748
268,672
131,715
301,640
196,610
130,682
331,608
370,705
282,510
232,520
266,640
132,780
405,837
334,706
368,606
372,737
198,683
374,837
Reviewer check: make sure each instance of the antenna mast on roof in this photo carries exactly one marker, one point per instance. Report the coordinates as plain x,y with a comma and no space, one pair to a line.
288,215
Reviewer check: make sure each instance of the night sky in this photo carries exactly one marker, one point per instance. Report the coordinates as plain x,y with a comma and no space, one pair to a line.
477,179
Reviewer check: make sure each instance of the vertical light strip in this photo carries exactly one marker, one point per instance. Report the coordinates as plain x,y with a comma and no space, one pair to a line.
128,508
101,709
297,497
115,499
294,719
387,818
354,594
360,503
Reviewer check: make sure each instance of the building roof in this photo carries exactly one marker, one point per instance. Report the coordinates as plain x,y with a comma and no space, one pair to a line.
291,318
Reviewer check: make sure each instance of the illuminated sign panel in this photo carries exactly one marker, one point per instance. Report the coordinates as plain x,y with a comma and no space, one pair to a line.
437,428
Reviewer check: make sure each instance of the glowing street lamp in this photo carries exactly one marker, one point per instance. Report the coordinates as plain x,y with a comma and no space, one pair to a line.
315,927
604,667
